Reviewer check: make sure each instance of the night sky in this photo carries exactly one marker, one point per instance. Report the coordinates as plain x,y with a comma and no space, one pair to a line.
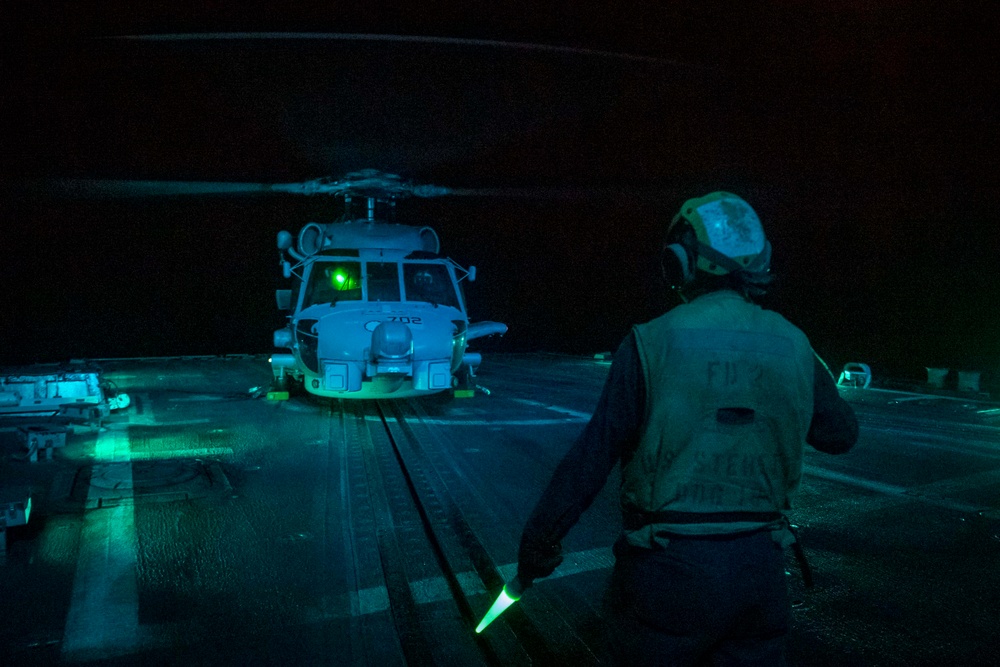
864,133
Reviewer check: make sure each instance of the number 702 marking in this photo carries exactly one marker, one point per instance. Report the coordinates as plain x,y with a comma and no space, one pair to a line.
405,319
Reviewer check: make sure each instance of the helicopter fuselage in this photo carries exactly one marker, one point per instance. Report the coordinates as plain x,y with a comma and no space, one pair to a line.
376,312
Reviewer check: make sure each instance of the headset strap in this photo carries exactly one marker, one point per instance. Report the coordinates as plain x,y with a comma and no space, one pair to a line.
716,257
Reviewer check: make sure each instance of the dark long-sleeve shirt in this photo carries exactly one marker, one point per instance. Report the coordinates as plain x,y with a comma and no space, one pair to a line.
613,434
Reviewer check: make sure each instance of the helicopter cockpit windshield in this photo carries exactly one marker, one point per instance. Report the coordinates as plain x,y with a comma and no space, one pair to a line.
429,283
383,281
330,282
341,280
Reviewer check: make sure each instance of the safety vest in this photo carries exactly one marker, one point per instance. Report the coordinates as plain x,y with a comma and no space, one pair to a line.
729,399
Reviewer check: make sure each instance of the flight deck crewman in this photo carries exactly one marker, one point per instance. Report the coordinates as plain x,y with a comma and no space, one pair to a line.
707,408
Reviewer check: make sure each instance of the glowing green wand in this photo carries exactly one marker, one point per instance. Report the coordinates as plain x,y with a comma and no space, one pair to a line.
510,594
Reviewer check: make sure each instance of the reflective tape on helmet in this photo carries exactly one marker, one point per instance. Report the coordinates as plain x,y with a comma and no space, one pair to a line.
732,227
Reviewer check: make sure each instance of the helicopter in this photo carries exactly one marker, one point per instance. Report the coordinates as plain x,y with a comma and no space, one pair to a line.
375,310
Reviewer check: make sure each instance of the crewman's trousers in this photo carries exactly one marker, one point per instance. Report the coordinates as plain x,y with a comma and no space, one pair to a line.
699,601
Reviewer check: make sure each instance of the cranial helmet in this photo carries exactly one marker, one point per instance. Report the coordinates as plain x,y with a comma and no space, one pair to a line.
717,235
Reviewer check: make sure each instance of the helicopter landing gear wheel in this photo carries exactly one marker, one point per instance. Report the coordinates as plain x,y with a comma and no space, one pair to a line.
286,385
462,383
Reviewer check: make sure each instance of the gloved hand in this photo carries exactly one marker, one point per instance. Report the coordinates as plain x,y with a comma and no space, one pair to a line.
536,560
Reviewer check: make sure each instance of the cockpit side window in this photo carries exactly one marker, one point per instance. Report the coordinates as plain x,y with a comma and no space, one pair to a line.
330,282
383,281
430,283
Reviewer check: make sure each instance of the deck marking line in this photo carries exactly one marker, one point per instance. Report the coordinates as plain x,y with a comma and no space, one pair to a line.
911,396
183,453
494,422
183,422
892,490
585,416
966,447
919,397
149,420
504,422
199,398
964,483
375,599
975,439
103,617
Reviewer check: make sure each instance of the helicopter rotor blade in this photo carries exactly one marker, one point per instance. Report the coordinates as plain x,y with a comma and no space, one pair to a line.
86,188
417,39
536,193
83,188
96,188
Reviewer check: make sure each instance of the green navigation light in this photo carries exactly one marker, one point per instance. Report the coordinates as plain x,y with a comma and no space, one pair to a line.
503,601
339,278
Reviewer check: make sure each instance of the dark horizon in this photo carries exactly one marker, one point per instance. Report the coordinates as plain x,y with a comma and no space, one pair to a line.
863,137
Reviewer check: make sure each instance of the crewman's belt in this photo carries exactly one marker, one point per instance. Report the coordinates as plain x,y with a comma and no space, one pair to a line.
634,520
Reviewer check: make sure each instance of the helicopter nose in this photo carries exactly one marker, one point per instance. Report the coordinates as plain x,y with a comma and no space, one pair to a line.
391,342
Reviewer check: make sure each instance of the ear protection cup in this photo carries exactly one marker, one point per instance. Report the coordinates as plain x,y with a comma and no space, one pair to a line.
678,260
676,265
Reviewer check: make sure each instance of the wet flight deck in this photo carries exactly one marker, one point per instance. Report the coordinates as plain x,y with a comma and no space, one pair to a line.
205,524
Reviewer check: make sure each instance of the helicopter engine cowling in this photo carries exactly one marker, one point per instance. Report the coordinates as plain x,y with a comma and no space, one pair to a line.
311,239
